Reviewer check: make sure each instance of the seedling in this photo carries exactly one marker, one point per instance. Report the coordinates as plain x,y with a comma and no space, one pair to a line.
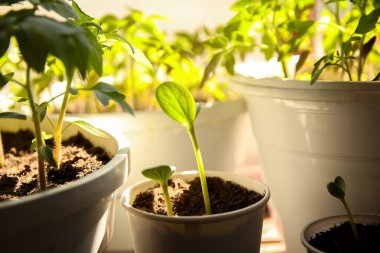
161,174
178,103
338,190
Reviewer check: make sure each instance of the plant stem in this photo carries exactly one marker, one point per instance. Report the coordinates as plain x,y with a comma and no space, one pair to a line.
58,128
37,132
202,175
351,220
361,58
278,47
168,203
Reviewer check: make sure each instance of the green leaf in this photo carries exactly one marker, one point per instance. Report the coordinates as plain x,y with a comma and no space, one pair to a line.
73,91
61,7
81,15
229,62
45,136
47,155
198,108
219,41
367,48
211,67
139,56
90,128
12,115
4,79
337,188
42,110
21,100
161,173
302,59
368,22
177,102
106,93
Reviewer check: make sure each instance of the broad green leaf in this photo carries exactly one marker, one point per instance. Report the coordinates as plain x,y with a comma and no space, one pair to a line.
81,15
337,188
61,7
229,62
219,41
47,155
177,102
368,22
211,67
161,173
90,128
4,79
12,115
106,93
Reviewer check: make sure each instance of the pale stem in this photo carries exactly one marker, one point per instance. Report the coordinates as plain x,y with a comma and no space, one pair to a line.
351,219
168,203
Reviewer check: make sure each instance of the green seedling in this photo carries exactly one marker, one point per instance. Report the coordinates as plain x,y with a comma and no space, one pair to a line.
178,103
338,190
161,174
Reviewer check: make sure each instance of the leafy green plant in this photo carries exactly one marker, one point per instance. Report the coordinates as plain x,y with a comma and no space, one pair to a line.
178,103
277,28
161,174
355,43
338,190
41,39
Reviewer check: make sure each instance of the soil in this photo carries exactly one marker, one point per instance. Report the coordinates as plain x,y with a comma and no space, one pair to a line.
18,177
340,239
187,199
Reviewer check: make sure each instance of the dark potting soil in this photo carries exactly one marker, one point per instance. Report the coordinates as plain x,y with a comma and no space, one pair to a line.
187,199
340,239
18,177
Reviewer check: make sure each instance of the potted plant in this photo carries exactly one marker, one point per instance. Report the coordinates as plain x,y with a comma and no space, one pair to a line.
343,233
238,229
42,214
311,130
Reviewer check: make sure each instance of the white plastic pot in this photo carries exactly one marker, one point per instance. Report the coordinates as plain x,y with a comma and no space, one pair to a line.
307,135
76,217
236,231
324,224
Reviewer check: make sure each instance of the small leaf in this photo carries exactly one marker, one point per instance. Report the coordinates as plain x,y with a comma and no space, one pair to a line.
47,155
302,59
219,41
198,109
73,91
90,128
229,62
45,136
177,102
12,115
377,77
42,110
61,7
106,92
4,79
161,173
21,100
368,47
211,67
337,188
139,56
368,22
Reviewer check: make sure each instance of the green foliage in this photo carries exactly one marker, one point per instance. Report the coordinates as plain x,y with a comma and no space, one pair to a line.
161,174
277,28
178,103
352,42
12,115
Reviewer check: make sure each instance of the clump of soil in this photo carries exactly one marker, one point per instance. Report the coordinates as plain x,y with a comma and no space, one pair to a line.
340,239
187,199
18,177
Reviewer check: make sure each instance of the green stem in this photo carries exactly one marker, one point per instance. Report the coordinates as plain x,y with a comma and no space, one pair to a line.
58,128
351,219
202,174
168,203
37,132
278,43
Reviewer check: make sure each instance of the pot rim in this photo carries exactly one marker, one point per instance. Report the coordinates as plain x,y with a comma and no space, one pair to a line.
339,219
199,218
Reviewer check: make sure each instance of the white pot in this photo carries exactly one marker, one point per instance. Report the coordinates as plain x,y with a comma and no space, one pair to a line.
307,135
76,217
236,231
324,224
223,131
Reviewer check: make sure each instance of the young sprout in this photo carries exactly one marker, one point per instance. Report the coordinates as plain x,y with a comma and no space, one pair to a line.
161,174
338,190
178,103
